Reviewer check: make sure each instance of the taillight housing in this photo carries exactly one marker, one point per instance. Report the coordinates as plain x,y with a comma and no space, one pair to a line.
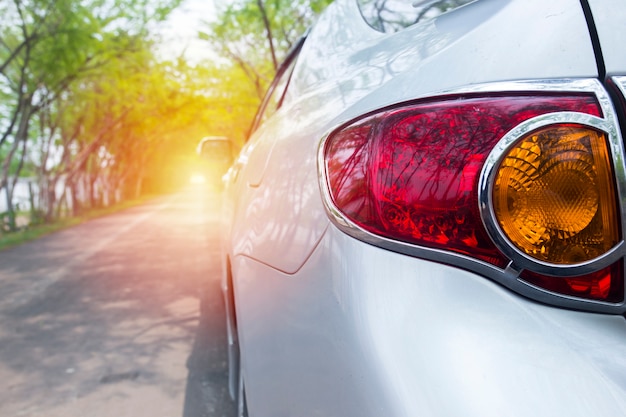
522,183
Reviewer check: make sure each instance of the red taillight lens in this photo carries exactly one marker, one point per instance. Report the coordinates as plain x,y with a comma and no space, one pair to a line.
411,174
604,285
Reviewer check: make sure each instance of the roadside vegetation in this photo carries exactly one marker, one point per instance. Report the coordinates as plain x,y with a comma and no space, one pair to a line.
25,232
91,116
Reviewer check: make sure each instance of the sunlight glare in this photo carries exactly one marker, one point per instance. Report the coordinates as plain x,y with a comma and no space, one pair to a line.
197,179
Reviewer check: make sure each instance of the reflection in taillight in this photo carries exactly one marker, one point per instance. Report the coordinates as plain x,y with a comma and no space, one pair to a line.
411,174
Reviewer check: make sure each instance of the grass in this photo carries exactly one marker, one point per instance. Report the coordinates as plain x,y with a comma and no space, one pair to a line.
33,232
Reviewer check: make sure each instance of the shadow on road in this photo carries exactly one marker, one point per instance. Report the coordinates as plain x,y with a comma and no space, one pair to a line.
207,383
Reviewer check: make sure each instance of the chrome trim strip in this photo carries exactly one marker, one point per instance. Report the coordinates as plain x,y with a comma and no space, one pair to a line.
509,276
620,81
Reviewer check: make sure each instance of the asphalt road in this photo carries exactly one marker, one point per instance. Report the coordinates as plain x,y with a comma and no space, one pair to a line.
120,316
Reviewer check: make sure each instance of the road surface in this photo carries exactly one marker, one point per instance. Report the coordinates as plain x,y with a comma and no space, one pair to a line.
120,316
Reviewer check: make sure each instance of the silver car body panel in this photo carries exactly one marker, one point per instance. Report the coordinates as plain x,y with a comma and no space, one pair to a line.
331,326
386,334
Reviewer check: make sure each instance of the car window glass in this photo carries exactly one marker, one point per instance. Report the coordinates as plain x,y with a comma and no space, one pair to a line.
273,99
393,15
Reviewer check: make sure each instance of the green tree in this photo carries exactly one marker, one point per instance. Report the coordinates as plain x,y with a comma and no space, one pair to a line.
46,47
126,127
256,34
252,37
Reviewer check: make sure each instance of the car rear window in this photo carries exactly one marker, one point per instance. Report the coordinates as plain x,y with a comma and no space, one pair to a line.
389,16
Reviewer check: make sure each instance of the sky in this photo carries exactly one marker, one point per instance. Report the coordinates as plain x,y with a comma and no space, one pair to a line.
180,30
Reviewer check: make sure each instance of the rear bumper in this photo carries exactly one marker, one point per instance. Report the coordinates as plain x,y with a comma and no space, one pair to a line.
361,331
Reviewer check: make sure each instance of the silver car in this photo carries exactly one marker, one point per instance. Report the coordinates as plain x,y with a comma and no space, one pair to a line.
428,217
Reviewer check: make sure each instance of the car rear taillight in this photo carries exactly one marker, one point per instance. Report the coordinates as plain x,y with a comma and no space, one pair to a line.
553,195
413,175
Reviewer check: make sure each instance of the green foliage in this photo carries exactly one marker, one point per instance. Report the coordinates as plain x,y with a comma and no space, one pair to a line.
28,169
38,228
242,34
253,36
50,50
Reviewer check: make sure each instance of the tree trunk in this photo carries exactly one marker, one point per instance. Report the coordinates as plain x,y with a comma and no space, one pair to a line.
34,214
20,135
9,216
268,29
76,205
51,197
138,186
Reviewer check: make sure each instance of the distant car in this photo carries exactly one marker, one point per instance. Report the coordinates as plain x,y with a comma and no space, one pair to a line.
428,218
217,155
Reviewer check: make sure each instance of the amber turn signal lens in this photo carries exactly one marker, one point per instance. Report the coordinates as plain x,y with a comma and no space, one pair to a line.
554,197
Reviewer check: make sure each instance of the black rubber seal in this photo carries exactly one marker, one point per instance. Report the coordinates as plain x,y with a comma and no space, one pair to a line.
595,39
